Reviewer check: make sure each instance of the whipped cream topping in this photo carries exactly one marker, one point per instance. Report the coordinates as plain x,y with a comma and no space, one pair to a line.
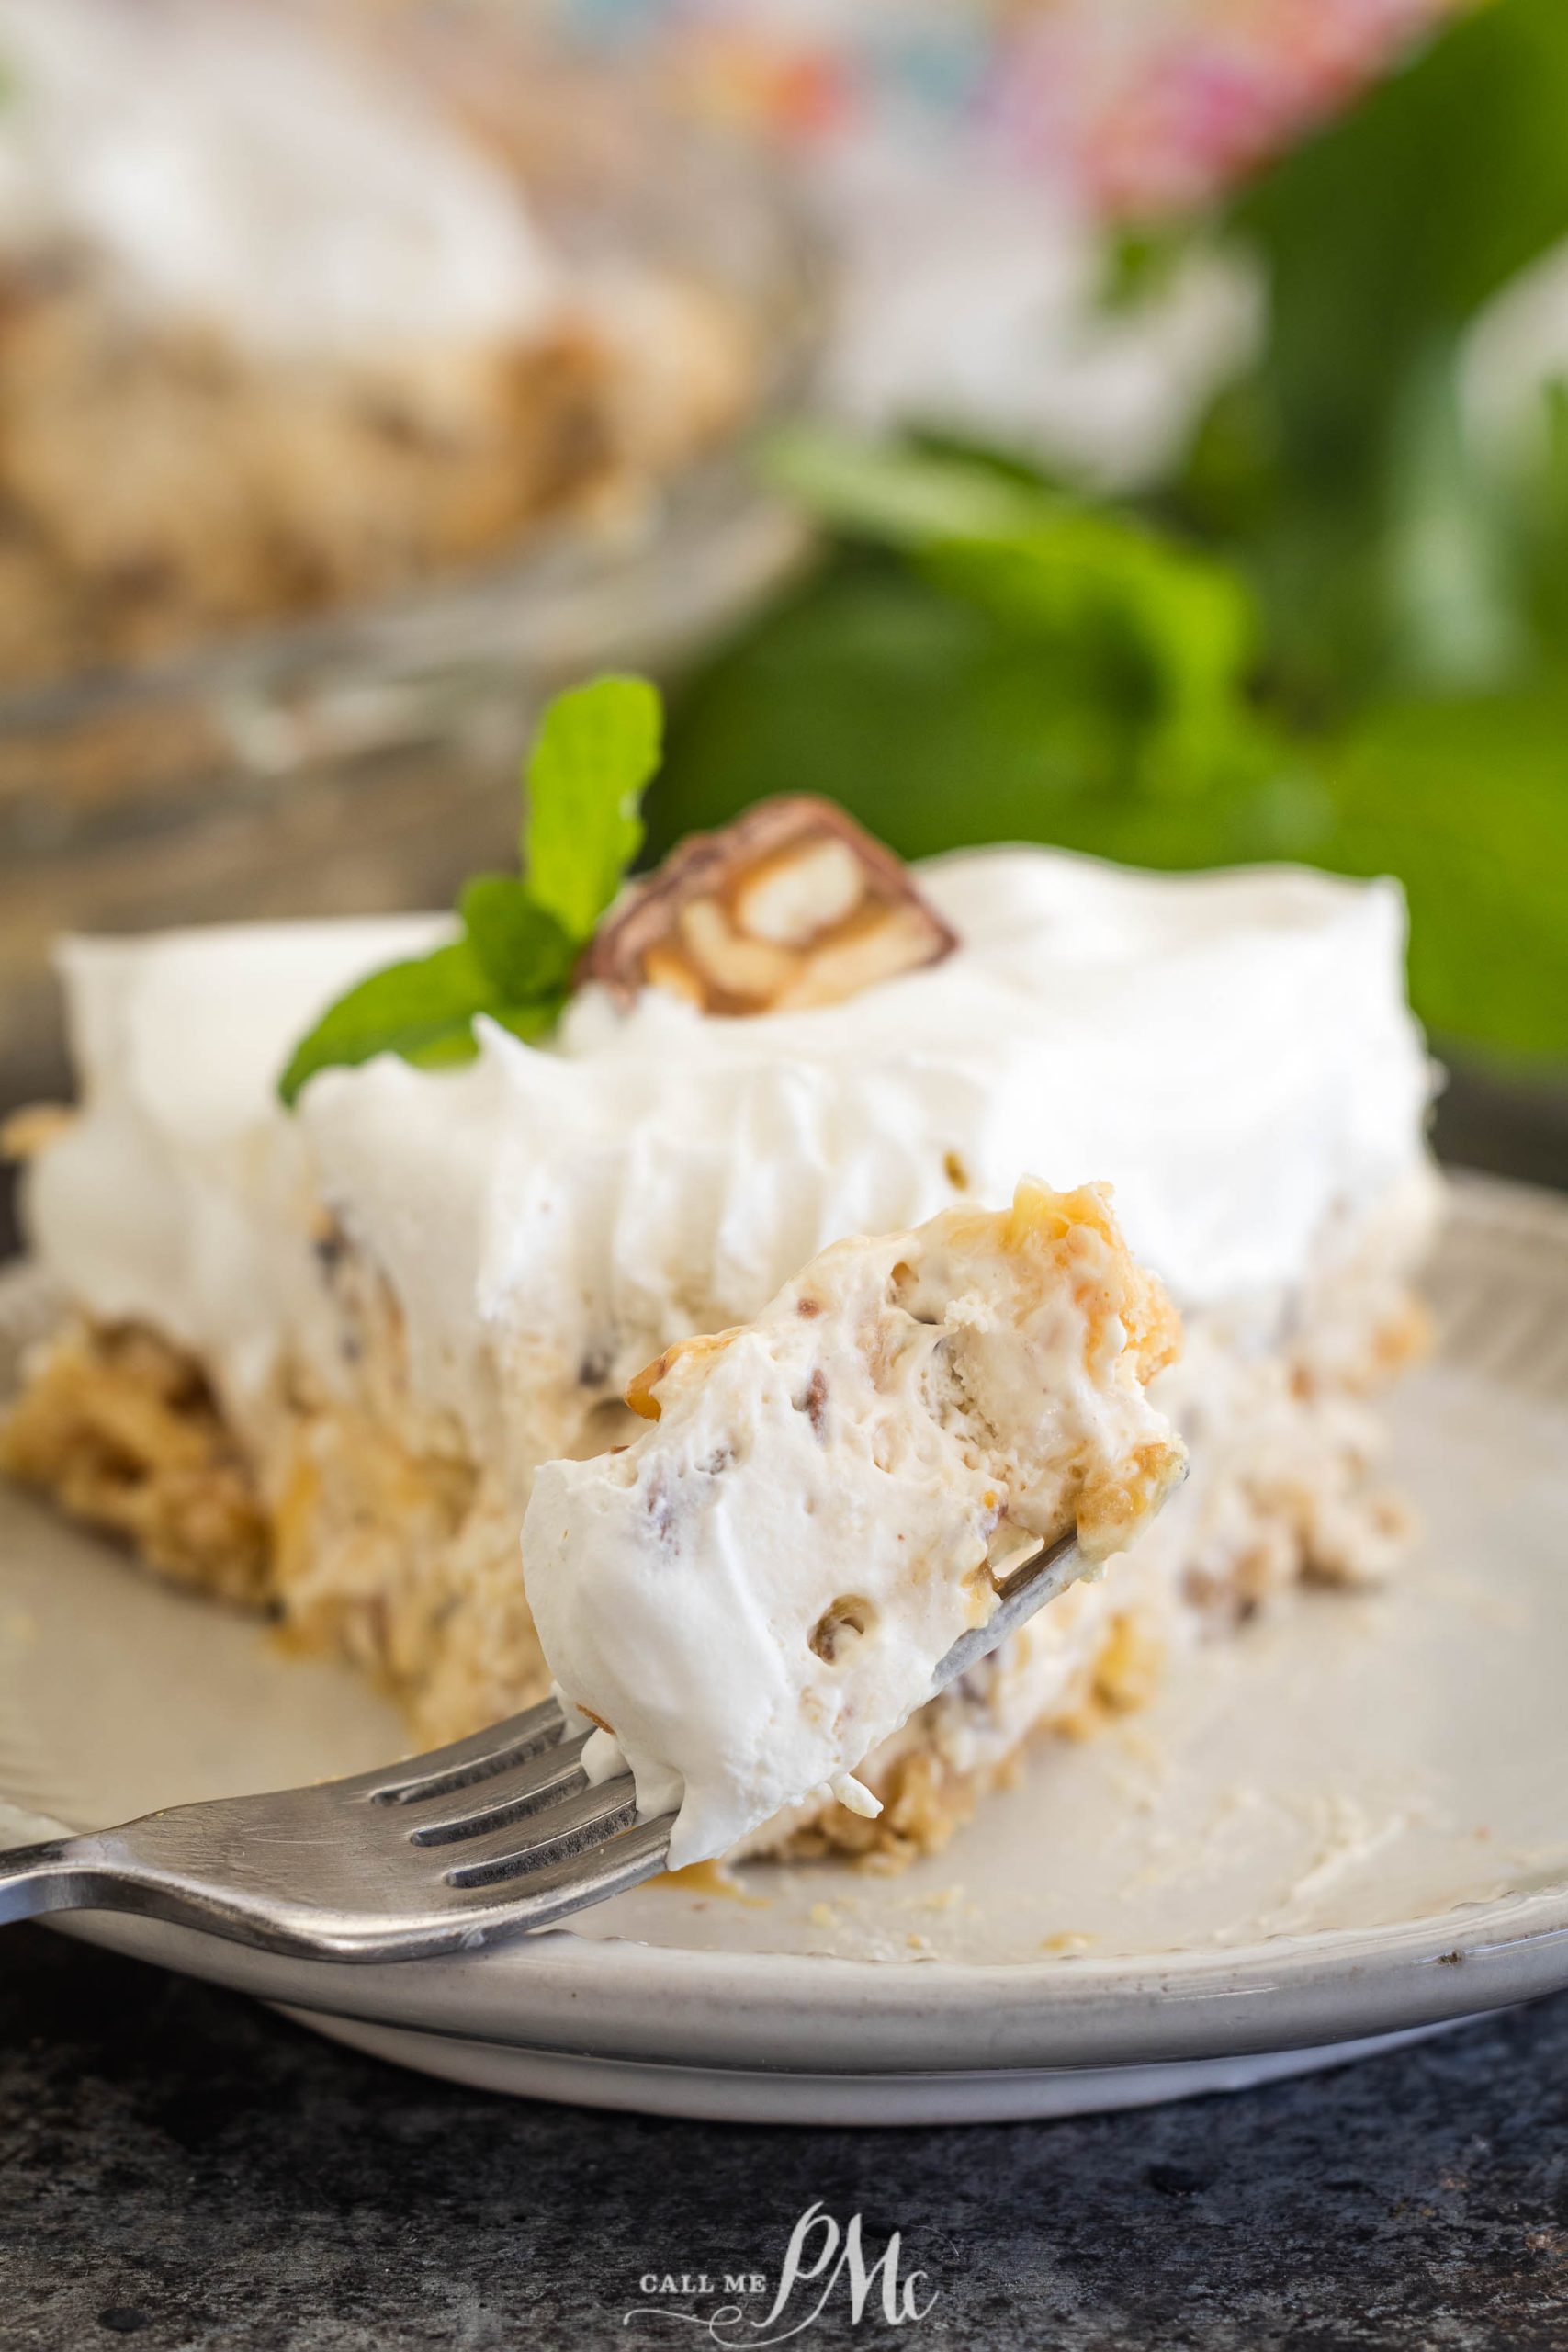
233,166
1232,1052
758,1591
183,1196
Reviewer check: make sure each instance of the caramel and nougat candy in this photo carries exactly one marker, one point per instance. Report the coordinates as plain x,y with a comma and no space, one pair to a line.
791,905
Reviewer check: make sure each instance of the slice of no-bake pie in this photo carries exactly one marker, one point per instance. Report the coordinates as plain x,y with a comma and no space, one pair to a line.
317,1353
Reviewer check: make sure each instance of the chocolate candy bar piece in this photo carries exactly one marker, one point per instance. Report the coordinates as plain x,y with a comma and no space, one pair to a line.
790,906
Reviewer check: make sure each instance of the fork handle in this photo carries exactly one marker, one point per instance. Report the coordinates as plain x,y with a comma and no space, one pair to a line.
51,1877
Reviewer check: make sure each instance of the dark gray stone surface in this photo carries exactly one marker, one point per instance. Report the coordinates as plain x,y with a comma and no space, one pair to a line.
181,2167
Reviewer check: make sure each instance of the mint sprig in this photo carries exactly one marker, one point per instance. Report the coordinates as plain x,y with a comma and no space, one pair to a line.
596,751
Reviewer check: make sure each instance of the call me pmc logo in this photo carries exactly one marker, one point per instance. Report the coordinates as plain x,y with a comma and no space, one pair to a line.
824,2267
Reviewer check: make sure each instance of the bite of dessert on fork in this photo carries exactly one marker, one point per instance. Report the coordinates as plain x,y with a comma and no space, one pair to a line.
757,1592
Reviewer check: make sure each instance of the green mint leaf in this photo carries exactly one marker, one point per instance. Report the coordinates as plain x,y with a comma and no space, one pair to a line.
532,1021
597,747
444,1048
522,948
421,1010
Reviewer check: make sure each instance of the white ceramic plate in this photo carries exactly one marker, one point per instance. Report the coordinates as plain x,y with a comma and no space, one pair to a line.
1348,1824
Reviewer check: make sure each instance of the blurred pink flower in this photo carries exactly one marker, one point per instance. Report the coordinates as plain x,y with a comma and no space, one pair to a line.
1151,108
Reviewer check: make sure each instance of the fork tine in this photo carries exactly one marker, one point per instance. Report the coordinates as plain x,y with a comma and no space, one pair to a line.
560,1833
500,1908
509,1795
458,1766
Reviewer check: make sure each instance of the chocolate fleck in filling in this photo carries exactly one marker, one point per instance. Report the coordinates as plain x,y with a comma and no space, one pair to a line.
329,1246
814,1403
792,906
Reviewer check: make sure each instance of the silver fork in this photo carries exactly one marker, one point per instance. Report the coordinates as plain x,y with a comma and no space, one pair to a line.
493,1837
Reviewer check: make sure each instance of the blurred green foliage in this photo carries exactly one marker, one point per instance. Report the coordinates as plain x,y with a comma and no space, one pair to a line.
1467,800
1327,465
1338,633
979,658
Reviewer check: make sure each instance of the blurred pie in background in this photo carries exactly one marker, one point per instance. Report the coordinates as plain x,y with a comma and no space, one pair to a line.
281,329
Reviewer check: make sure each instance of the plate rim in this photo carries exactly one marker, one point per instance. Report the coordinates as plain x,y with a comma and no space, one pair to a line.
663,2005
616,1997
